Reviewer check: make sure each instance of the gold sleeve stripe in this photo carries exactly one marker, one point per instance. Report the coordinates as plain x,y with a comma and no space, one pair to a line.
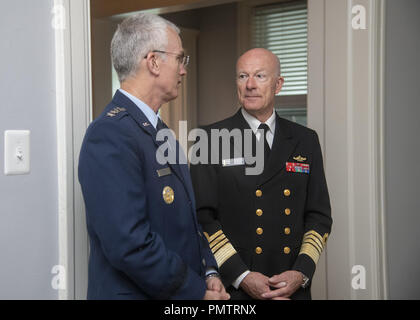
213,236
224,254
310,251
219,245
312,245
315,234
315,241
217,240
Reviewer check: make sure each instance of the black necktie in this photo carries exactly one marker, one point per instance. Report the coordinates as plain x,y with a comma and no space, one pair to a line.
160,125
267,149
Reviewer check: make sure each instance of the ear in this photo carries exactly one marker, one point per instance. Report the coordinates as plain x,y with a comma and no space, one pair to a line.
152,63
279,84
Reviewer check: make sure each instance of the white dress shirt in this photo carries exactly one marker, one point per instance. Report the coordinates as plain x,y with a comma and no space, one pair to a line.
254,123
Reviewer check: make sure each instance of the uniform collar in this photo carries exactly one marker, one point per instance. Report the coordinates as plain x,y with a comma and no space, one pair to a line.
254,123
148,112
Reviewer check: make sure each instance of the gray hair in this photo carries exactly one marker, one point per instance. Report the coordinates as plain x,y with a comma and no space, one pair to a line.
135,37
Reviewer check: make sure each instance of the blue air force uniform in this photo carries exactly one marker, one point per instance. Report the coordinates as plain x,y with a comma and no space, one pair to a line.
145,241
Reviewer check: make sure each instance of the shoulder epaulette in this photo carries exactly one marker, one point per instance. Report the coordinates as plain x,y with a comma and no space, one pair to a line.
115,111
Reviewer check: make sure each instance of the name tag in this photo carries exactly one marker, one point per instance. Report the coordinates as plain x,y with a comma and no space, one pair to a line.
233,162
164,172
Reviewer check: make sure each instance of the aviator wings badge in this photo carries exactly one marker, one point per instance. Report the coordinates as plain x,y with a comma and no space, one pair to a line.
299,158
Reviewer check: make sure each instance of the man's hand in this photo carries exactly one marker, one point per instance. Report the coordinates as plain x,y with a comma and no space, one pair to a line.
215,284
255,284
215,289
216,295
286,283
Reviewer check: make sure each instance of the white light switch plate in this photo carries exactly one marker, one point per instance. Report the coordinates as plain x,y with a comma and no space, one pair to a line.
17,152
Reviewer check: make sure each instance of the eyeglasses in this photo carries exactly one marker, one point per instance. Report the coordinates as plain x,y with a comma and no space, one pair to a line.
182,58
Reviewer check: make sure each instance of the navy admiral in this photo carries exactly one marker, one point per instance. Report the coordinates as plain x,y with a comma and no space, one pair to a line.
267,231
145,241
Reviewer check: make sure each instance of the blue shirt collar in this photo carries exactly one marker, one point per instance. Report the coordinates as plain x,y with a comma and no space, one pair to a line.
148,112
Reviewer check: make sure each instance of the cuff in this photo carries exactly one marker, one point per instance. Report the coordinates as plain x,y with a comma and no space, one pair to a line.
239,279
210,271
305,265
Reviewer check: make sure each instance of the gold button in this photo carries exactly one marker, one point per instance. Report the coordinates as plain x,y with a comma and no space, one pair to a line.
287,211
258,250
286,230
259,212
258,193
286,250
259,231
286,192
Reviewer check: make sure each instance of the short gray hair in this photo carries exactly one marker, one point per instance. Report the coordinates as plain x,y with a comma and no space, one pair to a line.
135,37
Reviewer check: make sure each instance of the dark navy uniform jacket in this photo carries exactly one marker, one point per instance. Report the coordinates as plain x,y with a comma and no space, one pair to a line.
276,221
145,243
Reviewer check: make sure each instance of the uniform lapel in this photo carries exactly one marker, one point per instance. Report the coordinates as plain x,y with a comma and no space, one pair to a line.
182,167
283,146
239,122
122,101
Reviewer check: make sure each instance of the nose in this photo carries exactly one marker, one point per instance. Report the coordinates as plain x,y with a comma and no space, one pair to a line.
182,70
250,83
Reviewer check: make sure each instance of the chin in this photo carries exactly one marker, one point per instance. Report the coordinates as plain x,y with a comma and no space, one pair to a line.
172,95
252,107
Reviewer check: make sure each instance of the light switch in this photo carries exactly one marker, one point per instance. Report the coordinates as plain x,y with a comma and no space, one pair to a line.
17,152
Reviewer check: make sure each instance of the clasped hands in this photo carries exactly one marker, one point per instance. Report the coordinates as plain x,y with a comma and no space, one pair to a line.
215,290
258,286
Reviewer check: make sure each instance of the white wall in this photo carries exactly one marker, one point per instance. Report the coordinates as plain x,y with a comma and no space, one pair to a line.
28,203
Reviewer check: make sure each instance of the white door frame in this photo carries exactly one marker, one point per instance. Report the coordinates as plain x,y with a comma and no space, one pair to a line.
71,21
345,106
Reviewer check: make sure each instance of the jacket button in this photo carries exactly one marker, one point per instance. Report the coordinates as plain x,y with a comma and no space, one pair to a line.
286,230
286,250
259,231
258,193
286,192
287,211
259,212
258,250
